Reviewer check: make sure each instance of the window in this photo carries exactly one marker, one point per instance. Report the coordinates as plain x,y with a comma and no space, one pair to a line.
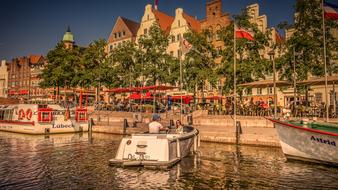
270,91
259,91
111,48
248,91
179,23
172,39
145,31
119,34
148,17
115,35
123,33
178,37
171,53
318,98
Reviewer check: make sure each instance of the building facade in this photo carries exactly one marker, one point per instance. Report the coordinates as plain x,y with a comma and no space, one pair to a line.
152,16
182,24
124,30
215,20
23,80
3,79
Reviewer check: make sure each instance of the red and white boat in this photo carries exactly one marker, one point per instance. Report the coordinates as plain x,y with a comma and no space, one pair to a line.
42,119
308,141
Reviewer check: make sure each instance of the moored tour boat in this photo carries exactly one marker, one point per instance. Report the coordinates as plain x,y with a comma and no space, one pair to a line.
309,141
42,119
156,150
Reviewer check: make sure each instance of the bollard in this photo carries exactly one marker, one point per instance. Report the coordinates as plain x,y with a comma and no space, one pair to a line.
171,123
125,125
90,124
190,122
195,143
238,132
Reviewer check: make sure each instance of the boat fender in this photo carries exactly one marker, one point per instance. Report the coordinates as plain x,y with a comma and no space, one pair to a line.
21,114
29,114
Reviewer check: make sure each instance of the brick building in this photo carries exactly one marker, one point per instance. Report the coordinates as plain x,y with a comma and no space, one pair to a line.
214,21
23,80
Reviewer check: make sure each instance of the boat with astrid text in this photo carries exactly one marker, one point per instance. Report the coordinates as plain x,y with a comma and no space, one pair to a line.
156,150
308,140
42,119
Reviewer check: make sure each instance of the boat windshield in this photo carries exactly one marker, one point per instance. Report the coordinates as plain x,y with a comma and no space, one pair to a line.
327,127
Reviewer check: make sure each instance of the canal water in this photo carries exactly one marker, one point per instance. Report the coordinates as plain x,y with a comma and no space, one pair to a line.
80,161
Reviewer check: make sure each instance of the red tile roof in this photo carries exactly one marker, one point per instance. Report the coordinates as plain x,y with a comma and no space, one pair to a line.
34,59
132,25
194,24
163,20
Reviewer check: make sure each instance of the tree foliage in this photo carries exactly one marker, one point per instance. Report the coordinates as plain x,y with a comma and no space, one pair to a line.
306,43
154,59
251,63
199,64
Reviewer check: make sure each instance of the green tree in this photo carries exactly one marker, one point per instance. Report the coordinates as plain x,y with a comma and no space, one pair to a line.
154,58
61,67
307,43
91,71
251,64
199,65
126,61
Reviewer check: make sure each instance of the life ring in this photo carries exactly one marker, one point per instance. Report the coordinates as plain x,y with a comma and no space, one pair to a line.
29,114
21,114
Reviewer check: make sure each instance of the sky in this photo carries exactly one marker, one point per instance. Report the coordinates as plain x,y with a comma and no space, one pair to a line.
35,26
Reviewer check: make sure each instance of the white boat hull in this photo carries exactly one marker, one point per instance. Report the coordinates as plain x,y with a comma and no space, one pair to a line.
32,125
162,150
306,144
37,128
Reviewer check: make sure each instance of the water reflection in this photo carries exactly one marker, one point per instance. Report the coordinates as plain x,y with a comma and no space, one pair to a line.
80,161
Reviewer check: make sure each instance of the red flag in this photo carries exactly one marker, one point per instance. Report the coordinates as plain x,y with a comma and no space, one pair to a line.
156,4
330,10
242,33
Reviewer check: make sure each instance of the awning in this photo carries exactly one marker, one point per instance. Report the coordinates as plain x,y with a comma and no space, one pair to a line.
139,89
135,96
319,81
265,83
23,92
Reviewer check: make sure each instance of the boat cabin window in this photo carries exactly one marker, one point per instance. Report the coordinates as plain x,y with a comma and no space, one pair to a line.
81,115
45,114
6,114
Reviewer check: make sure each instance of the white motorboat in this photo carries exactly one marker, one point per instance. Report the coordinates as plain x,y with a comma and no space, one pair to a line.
308,141
156,150
42,119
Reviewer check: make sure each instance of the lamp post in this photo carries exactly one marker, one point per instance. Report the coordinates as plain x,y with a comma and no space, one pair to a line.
272,58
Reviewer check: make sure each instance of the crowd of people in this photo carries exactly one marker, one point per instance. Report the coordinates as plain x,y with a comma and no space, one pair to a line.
245,106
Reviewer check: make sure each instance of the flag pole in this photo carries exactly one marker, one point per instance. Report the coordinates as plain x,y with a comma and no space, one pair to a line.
235,87
325,68
181,78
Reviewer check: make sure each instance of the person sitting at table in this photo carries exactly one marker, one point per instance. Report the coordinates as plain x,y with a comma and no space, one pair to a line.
155,126
179,127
